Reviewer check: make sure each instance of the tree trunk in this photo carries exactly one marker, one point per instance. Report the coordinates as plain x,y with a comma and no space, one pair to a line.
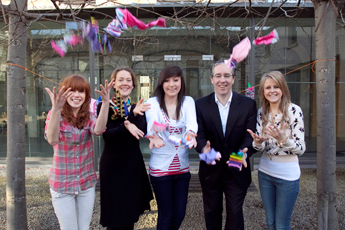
325,20
15,185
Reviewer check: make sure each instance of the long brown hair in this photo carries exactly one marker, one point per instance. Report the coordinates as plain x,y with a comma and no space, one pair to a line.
167,72
278,78
79,83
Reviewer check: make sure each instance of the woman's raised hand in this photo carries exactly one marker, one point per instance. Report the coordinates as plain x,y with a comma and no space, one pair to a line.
257,139
58,99
276,133
141,107
133,129
155,141
105,91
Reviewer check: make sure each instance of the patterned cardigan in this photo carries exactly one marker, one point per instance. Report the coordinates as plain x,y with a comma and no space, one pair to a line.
295,144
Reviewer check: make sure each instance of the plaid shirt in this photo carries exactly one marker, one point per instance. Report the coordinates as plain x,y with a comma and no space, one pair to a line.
73,164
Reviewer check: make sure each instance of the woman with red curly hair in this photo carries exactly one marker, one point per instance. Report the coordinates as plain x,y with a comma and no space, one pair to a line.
68,129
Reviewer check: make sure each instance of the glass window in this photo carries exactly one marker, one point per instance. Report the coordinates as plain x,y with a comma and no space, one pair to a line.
292,55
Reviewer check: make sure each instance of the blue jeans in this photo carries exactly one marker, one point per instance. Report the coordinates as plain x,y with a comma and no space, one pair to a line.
279,198
171,195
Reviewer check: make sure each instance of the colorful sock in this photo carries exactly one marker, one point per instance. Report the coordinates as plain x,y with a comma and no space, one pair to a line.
159,127
72,39
124,16
187,141
250,91
271,38
175,140
210,157
59,47
235,159
114,28
239,52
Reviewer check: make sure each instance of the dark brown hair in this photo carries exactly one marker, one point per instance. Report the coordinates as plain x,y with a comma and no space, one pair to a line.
167,72
79,83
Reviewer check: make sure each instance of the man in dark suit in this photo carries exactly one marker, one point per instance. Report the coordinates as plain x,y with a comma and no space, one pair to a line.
223,118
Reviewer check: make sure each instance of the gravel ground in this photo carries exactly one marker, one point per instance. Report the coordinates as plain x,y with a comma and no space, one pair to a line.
41,214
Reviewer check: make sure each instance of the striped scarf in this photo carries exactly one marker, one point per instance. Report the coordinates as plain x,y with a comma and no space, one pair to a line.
119,107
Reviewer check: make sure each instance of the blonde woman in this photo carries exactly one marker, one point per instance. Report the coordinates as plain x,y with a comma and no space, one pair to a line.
280,137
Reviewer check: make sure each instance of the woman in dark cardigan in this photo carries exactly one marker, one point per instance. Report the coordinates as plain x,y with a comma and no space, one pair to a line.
125,187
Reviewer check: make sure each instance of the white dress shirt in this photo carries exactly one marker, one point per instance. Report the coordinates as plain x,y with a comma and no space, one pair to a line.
224,111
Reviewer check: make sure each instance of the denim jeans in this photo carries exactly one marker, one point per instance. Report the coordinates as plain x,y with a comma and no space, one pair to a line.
171,195
74,211
279,198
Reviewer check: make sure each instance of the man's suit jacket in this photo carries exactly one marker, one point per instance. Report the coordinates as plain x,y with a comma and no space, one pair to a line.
242,116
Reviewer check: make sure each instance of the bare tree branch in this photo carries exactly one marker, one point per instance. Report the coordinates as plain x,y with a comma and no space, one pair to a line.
81,9
3,12
35,15
72,12
341,14
202,13
268,13
136,7
27,27
296,13
322,16
20,11
279,6
335,8
57,8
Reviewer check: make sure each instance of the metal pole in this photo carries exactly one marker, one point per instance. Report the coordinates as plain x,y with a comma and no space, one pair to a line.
252,65
92,86
252,54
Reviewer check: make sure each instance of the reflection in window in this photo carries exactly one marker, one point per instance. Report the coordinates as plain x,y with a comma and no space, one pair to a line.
144,87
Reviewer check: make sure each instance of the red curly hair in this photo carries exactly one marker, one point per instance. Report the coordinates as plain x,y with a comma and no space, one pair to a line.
79,83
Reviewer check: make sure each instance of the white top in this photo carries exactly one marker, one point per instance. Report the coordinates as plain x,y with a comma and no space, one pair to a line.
161,158
223,111
282,162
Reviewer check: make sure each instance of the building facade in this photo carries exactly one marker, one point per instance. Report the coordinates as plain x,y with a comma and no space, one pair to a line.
192,42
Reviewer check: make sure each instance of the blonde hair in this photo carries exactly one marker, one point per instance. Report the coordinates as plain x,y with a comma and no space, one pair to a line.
278,78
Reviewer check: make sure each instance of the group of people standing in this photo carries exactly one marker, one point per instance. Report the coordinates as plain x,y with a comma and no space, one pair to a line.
224,120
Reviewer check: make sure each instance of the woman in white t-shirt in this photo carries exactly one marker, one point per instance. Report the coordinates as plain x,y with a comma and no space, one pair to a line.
280,137
169,163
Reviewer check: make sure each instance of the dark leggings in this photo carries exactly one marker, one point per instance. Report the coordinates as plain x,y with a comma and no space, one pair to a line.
171,196
128,227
